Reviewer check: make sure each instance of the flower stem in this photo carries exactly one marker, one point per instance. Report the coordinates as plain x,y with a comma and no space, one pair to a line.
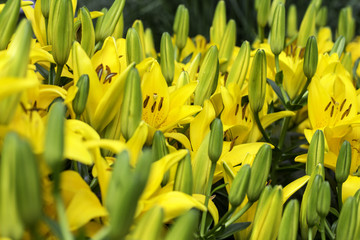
261,34
339,188
322,229
262,130
298,98
310,235
277,64
284,128
220,223
239,214
58,74
328,230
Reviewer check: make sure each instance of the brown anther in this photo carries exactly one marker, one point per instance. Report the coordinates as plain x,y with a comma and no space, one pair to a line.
332,111
302,53
342,104
344,114
160,103
153,107
233,143
243,112
327,106
349,109
99,70
333,100
236,109
146,101
108,69
226,74
109,77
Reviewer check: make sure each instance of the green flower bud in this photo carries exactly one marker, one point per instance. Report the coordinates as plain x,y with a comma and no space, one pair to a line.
307,27
54,137
181,26
268,215
277,37
159,148
316,152
289,222
257,82
61,30
310,57
240,66
348,218
131,107
216,140
87,32
79,102
149,44
139,27
8,20
149,226
119,28
184,227
324,200
312,217
292,21
134,51
338,47
227,45
321,17
274,4
239,186
357,228
183,79
208,76
167,60
346,61
346,24
184,178
263,12
343,163
108,23
45,8
219,23
100,20
259,172
194,66
317,4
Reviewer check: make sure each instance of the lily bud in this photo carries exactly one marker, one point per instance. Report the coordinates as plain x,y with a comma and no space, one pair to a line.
310,57
54,137
348,218
338,47
134,51
87,31
184,178
312,216
321,17
263,12
149,44
257,82
216,140
277,37
292,21
307,27
259,172
274,4
343,163
357,228
194,66
289,222
139,27
346,24
177,17
183,79
159,148
167,60
109,21
45,8
240,66
181,26
79,102
131,107
100,20
61,30
184,227
219,23
8,21
316,152
208,76
239,186
324,200
119,28
227,45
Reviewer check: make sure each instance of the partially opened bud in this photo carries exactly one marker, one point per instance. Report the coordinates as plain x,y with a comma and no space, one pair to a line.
167,60
346,24
321,17
87,32
289,222
316,152
338,47
257,82
119,28
291,30
131,107
263,12
181,26
310,57
240,66
8,21
307,27
134,51
149,44
183,79
217,29
348,218
194,67
139,27
324,200
216,140
80,100
312,217
227,45
277,38
183,178
343,163
239,186
184,227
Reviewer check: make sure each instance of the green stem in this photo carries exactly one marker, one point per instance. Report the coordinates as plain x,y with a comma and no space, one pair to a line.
60,208
207,196
328,230
339,195
277,64
298,98
94,183
238,214
322,229
179,55
220,223
284,128
299,165
261,34
51,74
262,130
58,75
310,235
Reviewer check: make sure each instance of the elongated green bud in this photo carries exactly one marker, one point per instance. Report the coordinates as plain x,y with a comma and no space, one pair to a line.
184,227
357,228
289,222
274,4
134,51
119,28
338,47
194,66
80,100
54,137
61,30
346,24
240,66
109,21
227,45
184,178
8,20
312,217
139,27
291,30
263,12
208,76
159,147
346,226
181,26
307,27
257,81
131,107
259,172
216,140
167,60
316,152
343,163
149,226
87,32
321,17
310,57
239,186
100,20
177,17
149,44
45,8
217,29
277,37
324,200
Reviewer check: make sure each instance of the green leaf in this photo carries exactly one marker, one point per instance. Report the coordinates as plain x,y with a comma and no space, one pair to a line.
277,90
233,228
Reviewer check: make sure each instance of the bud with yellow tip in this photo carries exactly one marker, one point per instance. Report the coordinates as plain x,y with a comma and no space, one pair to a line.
277,37
167,60
239,186
307,27
227,45
257,82
240,66
87,31
134,51
217,29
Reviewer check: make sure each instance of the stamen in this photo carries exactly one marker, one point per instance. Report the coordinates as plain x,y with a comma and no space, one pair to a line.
243,112
332,111
109,77
236,109
146,101
153,107
108,69
160,103
349,109
344,114
333,100
155,96
342,105
327,106
99,70
233,143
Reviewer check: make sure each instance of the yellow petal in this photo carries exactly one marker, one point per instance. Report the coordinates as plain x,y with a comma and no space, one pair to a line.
240,152
179,115
180,138
350,187
211,206
292,187
9,86
136,142
71,183
179,97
